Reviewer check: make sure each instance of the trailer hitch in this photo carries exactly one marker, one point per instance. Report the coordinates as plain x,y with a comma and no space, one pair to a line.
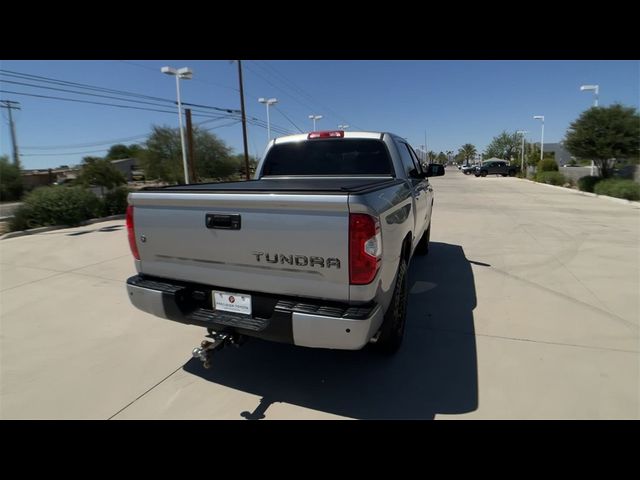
219,340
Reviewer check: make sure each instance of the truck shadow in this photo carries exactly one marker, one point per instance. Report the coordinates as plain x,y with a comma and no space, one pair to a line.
434,372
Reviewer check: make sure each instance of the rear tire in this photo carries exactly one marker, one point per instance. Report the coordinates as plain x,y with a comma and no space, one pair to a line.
393,326
483,173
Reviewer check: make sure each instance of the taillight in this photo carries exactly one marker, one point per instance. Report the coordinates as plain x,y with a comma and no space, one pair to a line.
365,248
131,233
327,134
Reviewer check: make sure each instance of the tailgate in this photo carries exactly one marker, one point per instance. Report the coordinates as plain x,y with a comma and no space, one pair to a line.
290,244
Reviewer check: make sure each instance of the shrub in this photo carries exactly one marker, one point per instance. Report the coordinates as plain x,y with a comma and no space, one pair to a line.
45,206
547,165
620,188
587,184
552,178
115,201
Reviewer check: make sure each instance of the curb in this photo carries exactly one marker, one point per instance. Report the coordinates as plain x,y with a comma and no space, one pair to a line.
34,231
622,201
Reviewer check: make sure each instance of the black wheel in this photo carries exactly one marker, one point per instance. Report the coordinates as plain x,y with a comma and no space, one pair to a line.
392,330
503,174
477,174
483,173
512,173
423,245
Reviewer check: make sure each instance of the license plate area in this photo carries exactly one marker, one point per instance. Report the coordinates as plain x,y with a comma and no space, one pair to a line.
231,302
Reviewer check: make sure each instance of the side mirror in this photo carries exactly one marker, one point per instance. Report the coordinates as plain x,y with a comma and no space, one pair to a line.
434,170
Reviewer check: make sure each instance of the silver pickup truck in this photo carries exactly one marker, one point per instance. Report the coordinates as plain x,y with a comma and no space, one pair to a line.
314,251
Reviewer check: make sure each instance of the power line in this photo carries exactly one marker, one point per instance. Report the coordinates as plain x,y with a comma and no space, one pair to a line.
235,122
281,78
228,110
82,93
91,102
307,105
303,94
229,113
108,142
208,82
114,140
65,153
290,121
54,81
85,145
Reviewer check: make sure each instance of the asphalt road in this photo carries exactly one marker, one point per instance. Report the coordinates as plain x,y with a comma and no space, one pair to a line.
527,307
7,209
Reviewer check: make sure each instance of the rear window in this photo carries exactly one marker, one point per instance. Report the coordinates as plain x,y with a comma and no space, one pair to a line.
345,156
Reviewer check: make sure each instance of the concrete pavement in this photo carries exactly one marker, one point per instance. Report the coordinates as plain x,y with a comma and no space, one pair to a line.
527,307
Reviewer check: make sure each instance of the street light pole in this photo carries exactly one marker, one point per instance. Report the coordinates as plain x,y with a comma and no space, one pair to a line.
522,132
268,103
182,143
541,117
314,118
595,89
185,73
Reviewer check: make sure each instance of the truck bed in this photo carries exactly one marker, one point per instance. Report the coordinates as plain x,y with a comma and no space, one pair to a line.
328,185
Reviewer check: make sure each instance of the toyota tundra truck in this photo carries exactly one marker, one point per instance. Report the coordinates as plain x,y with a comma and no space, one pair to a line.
313,251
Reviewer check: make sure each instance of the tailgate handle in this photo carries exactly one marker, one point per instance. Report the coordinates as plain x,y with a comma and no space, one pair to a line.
225,222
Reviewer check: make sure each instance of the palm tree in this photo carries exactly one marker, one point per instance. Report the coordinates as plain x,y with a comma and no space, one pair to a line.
468,151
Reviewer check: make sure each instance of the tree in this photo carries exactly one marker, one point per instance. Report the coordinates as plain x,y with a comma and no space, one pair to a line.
239,159
441,158
505,146
431,156
449,154
163,156
532,155
119,151
100,172
467,152
603,134
11,184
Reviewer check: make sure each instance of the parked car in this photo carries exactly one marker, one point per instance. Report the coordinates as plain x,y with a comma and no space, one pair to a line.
495,167
467,169
314,251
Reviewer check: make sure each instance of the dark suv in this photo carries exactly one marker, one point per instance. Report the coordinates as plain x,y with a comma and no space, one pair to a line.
495,167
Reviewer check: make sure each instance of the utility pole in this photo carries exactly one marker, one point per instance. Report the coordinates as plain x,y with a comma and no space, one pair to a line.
11,105
244,121
191,158
425,143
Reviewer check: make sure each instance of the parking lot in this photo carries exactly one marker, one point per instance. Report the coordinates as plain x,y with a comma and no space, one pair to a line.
527,307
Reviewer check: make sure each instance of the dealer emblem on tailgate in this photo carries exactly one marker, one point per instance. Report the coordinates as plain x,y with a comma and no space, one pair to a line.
297,260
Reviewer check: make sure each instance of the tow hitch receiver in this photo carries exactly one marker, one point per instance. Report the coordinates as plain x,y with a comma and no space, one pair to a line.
207,348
